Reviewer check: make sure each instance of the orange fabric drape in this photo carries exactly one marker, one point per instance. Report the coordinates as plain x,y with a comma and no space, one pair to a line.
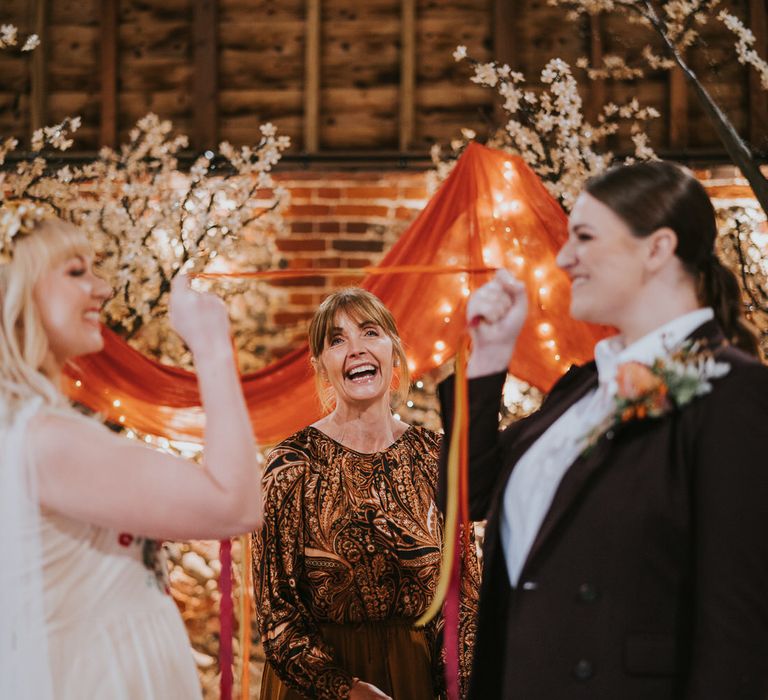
492,211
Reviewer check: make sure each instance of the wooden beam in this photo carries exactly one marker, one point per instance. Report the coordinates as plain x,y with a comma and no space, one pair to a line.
597,92
758,97
507,15
407,73
108,57
205,129
312,78
38,73
678,109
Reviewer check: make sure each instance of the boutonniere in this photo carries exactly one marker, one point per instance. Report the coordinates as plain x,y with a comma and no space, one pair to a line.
650,391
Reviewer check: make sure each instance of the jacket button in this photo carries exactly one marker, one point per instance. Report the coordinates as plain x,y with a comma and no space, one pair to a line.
588,592
530,585
583,670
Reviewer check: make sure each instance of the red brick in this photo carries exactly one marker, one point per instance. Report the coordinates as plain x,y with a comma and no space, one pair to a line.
302,227
405,214
288,244
329,227
356,227
308,210
371,192
415,193
290,318
357,262
264,193
318,281
329,193
300,193
360,210
367,246
303,299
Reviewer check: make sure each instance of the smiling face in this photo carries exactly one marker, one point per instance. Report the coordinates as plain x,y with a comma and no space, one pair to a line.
357,361
605,261
69,297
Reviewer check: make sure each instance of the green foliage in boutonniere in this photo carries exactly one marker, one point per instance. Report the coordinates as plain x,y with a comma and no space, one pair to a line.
650,391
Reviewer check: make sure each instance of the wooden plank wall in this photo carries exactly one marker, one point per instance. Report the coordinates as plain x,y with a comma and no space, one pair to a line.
340,75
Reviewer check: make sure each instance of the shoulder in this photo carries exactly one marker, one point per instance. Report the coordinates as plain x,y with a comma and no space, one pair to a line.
424,439
289,461
737,402
746,378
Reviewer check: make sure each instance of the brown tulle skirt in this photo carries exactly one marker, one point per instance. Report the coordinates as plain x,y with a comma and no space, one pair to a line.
392,656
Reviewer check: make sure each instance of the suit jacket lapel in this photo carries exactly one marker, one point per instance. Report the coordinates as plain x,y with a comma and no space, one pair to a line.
577,476
570,388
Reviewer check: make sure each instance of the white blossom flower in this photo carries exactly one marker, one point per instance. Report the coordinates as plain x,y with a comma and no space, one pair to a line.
460,53
32,42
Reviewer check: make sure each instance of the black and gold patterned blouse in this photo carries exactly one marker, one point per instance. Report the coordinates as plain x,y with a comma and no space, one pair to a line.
347,538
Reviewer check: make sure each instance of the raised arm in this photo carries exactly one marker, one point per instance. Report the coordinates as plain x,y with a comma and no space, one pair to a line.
495,314
90,474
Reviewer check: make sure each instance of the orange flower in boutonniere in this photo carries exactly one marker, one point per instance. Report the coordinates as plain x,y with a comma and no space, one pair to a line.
649,391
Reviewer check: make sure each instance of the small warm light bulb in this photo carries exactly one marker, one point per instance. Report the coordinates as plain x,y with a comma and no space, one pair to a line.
440,345
419,384
538,273
116,403
409,404
545,329
78,384
121,419
437,357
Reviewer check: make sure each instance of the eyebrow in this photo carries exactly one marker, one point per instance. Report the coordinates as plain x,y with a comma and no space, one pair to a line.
361,324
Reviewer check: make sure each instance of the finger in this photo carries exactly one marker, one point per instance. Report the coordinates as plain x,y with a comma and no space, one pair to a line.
509,283
180,283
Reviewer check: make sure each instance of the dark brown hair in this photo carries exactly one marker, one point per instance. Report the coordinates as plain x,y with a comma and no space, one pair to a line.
657,194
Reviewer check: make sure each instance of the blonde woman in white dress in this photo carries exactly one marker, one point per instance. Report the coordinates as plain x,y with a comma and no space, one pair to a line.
81,616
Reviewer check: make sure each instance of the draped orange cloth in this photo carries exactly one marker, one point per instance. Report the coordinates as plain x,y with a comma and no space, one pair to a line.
492,211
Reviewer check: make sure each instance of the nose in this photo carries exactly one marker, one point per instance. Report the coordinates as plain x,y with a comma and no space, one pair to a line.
101,289
565,256
356,346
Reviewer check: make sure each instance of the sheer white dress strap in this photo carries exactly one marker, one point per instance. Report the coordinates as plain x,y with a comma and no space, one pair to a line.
24,663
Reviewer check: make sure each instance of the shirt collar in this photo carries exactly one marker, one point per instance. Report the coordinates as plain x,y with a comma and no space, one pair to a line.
611,352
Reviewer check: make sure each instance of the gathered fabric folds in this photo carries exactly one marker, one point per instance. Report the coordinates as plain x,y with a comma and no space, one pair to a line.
492,211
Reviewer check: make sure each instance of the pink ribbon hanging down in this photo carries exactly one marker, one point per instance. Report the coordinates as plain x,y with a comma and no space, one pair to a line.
226,614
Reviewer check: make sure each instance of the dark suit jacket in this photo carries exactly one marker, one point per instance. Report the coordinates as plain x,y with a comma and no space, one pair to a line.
649,577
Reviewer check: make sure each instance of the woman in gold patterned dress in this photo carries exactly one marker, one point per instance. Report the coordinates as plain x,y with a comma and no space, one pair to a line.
349,553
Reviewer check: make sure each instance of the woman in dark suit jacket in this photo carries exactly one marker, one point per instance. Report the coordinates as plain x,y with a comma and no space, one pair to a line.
626,552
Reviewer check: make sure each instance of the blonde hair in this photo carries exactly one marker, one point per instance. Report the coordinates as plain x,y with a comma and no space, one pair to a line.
361,306
24,345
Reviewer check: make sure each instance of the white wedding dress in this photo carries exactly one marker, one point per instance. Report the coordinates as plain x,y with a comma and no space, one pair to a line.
97,622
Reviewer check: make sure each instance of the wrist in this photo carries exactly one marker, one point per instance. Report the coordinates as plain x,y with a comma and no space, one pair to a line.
213,352
488,361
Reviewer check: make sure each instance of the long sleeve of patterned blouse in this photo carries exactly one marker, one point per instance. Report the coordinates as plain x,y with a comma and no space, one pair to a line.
347,538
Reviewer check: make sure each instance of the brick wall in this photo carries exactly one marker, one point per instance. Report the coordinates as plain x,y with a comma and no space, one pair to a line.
338,220
349,220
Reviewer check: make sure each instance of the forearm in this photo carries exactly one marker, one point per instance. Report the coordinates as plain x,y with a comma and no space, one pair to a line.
484,460
230,450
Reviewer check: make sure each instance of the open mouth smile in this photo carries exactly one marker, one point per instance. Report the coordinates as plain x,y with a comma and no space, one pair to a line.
362,374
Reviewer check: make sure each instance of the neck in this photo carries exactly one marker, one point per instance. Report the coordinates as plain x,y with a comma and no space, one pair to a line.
653,310
365,428
53,369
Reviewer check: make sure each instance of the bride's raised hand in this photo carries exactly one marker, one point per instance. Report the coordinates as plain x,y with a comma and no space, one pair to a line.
200,318
495,314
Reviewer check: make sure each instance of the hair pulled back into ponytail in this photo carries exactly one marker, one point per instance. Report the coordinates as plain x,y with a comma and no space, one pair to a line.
657,194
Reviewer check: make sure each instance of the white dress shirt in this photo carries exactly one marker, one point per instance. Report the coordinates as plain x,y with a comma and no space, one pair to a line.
535,478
